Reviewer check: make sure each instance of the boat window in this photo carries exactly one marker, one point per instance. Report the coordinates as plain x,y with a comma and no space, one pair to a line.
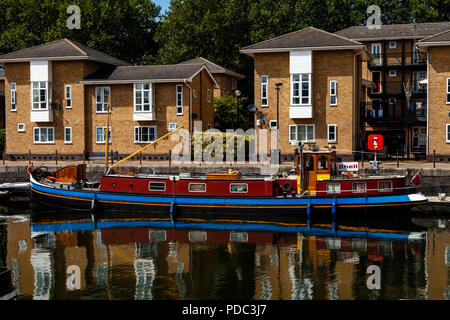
239,236
197,236
239,187
322,163
385,186
197,187
309,166
157,186
333,188
359,187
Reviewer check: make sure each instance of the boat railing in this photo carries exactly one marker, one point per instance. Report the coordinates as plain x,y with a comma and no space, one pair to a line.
381,191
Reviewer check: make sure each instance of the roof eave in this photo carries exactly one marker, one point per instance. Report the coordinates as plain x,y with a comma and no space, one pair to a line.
105,81
433,44
60,59
322,48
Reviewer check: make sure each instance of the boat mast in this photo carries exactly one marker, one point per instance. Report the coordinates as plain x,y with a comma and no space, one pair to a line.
142,149
107,135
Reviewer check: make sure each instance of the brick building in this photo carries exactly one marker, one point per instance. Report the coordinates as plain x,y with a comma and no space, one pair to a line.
396,68
319,96
225,78
437,49
2,98
57,94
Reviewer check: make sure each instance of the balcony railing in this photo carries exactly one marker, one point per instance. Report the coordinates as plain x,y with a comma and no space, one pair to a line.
396,87
378,111
397,59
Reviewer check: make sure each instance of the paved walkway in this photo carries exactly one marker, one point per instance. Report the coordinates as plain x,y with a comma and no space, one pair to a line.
384,164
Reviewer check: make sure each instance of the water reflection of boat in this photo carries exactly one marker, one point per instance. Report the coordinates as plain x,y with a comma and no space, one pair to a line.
224,229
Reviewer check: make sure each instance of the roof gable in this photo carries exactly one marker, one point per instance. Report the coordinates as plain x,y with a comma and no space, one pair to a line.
63,49
440,38
213,67
308,38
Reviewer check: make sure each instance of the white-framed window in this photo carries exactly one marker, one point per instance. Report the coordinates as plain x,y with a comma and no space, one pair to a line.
172,126
238,187
68,94
67,135
301,89
179,98
359,187
392,73
102,95
197,187
333,188
385,186
332,133
392,44
209,95
157,186
333,93
100,135
13,96
301,132
273,124
447,131
41,94
448,91
21,127
144,134
264,91
44,135
142,97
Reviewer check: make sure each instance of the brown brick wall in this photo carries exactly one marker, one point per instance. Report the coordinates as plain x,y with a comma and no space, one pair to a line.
224,81
327,65
438,110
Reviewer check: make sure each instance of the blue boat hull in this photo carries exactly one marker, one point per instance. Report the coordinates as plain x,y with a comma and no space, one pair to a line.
164,204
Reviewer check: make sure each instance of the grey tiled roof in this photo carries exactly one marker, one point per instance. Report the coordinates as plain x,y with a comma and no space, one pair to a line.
171,72
440,37
395,31
61,49
306,38
212,67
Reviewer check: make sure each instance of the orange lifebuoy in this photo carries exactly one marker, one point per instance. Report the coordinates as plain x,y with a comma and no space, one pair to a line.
51,177
30,166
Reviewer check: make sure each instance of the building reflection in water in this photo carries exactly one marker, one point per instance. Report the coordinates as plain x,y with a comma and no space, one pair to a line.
154,262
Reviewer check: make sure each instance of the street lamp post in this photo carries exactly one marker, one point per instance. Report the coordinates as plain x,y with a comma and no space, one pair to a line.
238,94
277,87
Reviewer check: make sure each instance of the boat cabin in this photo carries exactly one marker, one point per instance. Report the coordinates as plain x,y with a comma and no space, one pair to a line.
317,165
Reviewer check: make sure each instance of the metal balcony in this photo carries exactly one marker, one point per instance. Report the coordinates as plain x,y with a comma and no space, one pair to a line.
385,112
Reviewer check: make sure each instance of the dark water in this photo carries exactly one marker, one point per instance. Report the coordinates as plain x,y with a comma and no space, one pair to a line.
55,254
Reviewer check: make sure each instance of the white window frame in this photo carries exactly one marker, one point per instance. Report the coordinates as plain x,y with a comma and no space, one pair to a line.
48,94
197,184
335,133
13,98
103,101
447,133
333,94
273,124
209,95
300,95
65,135
104,135
156,182
392,73
307,126
239,184
40,129
179,99
333,189
360,183
392,44
448,90
21,127
264,88
142,91
68,96
385,189
139,133
173,125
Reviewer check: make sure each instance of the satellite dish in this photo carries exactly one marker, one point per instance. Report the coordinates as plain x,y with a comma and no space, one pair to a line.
194,116
251,107
262,117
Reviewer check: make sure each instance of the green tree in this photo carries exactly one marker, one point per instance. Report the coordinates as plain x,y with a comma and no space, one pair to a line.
232,113
123,29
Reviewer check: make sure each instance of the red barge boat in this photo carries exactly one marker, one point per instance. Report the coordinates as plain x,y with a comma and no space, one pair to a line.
316,184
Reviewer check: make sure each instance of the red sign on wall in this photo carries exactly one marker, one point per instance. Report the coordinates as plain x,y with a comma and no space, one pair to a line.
375,142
